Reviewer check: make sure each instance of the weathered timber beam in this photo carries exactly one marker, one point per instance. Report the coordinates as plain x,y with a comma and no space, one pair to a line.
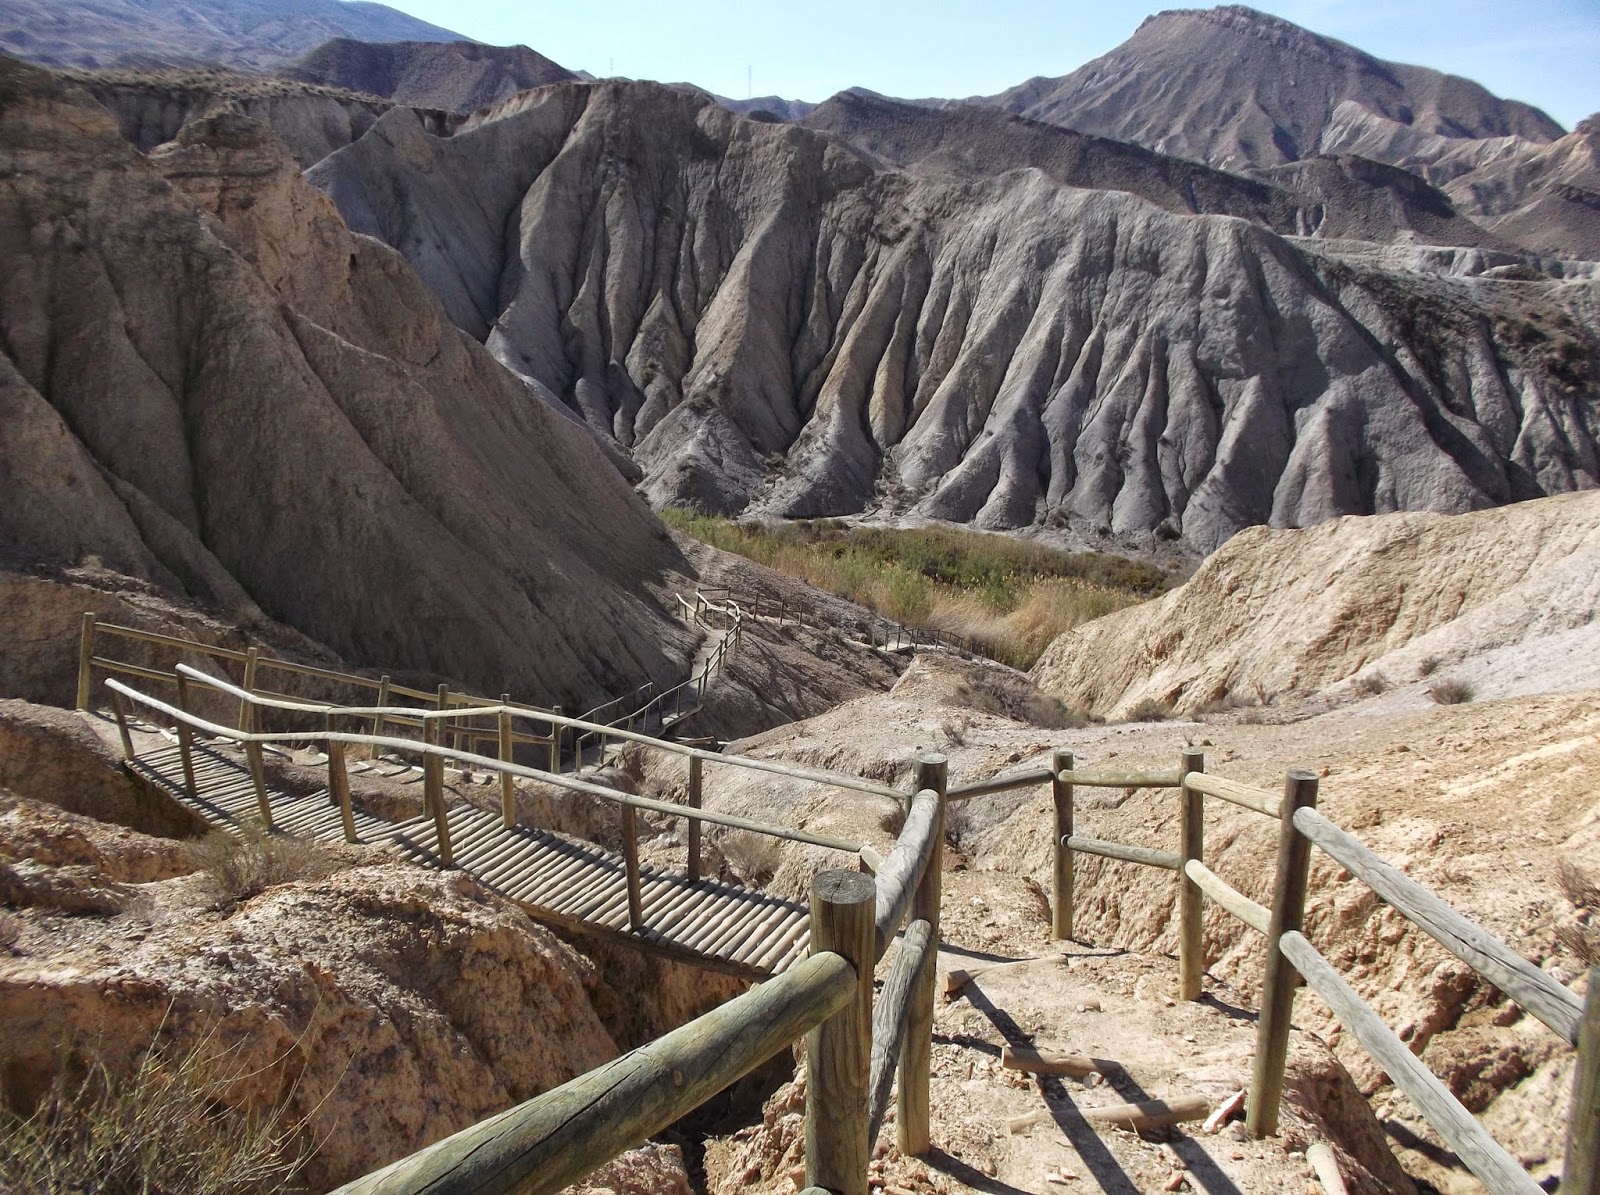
1127,854
1244,795
889,1018
902,869
551,1141
1254,915
1514,975
1480,1152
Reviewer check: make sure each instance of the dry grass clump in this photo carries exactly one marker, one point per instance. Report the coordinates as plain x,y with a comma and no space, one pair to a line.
1428,665
1008,596
1451,692
1370,685
753,857
1150,710
1020,702
165,1130
1582,890
239,868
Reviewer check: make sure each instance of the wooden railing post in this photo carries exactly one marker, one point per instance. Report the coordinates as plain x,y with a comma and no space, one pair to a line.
433,789
1277,988
839,1051
630,859
85,654
916,1056
339,783
1581,1175
1061,898
186,739
122,724
508,750
247,712
1191,845
556,731
258,780
696,794
383,699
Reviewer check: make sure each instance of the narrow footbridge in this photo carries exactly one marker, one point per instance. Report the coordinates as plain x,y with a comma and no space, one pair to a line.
218,770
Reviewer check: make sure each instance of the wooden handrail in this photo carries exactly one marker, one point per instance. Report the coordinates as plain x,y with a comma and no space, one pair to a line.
553,1140
743,761
1244,795
1461,1130
1491,958
483,763
1225,894
903,868
890,1015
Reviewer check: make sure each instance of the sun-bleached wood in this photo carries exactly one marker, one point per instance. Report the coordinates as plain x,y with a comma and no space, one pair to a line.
1481,1154
1144,855
999,784
696,783
1582,1173
839,1050
1514,975
1191,848
957,978
889,1017
247,708
1142,1116
1054,1062
903,868
1277,988
1257,917
1061,799
1245,795
913,1120
553,1140
1124,779
85,654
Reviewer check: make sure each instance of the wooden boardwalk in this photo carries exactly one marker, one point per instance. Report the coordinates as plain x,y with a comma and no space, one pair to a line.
561,880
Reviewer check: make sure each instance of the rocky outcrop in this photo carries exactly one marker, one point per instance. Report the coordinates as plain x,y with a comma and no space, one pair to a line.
152,108
210,385
98,33
768,323
1288,613
459,76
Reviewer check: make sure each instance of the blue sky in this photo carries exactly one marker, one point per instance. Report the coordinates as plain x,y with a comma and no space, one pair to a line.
1546,52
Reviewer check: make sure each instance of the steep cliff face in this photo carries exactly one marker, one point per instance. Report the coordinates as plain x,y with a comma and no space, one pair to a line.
208,383
768,323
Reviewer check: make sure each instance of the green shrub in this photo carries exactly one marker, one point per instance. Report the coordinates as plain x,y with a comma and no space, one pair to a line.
1009,597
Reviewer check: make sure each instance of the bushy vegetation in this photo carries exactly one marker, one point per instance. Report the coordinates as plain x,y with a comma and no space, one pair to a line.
164,1130
242,867
1010,597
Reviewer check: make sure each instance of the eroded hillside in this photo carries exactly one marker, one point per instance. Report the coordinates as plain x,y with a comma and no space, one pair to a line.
768,323
209,384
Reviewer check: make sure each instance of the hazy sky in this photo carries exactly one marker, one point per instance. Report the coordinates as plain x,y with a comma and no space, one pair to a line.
1546,52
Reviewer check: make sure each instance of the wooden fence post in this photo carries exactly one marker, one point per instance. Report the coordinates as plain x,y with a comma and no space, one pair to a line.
122,724
186,738
696,794
1061,898
1277,988
85,654
1581,1175
383,699
247,712
258,779
630,860
916,1056
556,731
339,783
1191,845
433,790
508,786
839,1051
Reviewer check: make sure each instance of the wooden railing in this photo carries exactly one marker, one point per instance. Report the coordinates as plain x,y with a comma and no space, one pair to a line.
853,1048
1290,953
